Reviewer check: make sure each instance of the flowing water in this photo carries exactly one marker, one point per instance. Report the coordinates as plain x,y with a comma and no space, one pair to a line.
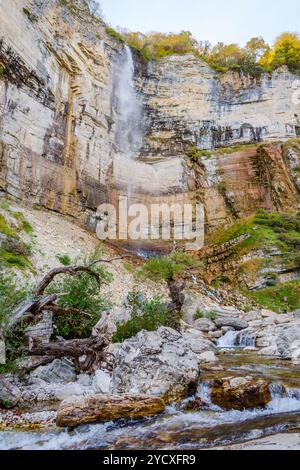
178,429
129,132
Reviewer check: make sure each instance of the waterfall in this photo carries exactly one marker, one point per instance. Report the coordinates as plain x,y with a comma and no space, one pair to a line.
228,340
232,339
129,110
246,339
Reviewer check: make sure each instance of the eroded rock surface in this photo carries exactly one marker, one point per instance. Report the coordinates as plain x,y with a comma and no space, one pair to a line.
101,408
239,393
162,363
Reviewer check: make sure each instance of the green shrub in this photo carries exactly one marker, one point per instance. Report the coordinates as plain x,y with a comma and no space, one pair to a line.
65,260
114,34
199,314
10,294
2,70
194,153
25,226
29,15
146,315
80,292
165,267
155,46
5,227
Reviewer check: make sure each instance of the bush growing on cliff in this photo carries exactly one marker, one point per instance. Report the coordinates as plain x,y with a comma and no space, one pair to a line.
145,315
285,51
82,293
166,267
29,15
10,294
114,34
13,251
155,46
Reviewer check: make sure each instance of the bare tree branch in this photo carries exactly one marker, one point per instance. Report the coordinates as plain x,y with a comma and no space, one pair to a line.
108,260
57,310
71,270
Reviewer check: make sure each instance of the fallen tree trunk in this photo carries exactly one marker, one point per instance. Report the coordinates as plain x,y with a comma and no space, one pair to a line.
102,408
92,348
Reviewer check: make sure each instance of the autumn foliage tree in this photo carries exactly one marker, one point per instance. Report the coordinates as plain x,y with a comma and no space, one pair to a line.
255,58
285,51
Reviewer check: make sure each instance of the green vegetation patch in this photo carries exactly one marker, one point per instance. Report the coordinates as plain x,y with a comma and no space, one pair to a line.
80,292
114,34
283,297
14,252
30,16
146,315
165,267
210,315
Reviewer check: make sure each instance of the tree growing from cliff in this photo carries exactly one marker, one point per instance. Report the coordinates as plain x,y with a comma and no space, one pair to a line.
285,51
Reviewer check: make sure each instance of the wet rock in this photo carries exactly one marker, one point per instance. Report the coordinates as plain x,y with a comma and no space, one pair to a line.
240,393
269,351
235,323
10,394
225,329
101,382
103,408
197,404
205,325
197,341
216,334
59,371
160,363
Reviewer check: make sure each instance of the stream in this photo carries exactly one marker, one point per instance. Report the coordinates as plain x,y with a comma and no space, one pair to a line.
178,429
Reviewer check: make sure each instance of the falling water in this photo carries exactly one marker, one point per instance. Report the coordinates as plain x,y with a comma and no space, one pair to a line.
129,132
228,340
234,339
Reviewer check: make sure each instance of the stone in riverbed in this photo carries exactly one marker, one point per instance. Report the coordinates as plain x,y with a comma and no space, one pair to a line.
101,381
59,371
235,323
239,393
10,394
103,408
196,405
159,363
205,325
208,357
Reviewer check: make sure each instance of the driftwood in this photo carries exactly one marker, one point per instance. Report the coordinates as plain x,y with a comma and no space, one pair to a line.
101,408
92,348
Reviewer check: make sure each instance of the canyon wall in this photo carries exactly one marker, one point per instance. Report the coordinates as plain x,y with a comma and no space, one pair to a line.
60,141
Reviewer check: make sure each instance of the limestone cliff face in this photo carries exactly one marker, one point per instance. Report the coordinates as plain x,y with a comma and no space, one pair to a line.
60,143
57,121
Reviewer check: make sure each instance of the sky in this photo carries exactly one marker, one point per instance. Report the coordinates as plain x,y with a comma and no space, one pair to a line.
213,20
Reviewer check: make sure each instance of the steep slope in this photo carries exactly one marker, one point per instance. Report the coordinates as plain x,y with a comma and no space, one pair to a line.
64,143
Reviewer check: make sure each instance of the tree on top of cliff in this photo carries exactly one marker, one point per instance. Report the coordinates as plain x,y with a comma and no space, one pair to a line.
285,51
155,46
